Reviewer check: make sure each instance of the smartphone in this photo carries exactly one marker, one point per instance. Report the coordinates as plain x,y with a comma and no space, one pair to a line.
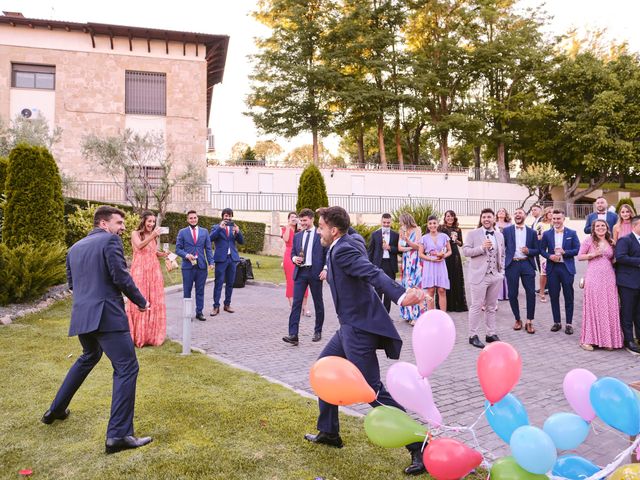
229,223
164,230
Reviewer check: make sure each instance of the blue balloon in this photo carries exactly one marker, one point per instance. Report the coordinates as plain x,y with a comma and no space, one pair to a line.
616,404
574,467
567,430
506,416
533,449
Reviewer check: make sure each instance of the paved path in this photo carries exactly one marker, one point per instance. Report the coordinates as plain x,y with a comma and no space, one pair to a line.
251,338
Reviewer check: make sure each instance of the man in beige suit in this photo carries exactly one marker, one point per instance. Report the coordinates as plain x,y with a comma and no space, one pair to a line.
484,247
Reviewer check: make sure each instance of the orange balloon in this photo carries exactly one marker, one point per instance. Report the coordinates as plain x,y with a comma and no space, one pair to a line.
339,382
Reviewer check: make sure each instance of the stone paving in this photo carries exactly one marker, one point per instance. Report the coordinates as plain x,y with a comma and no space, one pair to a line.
251,339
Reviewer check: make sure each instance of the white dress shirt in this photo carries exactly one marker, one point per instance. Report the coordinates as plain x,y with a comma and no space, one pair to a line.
521,241
307,254
386,236
558,238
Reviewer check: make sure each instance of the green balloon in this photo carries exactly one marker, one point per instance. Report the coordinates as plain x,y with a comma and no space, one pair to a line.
506,468
392,428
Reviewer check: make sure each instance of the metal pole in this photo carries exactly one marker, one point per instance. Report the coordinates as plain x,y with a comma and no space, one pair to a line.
187,310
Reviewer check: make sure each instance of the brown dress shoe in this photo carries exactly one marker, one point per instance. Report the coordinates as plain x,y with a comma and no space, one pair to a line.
215,311
227,308
517,325
529,327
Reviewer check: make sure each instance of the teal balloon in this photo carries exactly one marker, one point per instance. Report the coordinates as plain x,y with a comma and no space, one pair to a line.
390,427
506,468
533,449
574,467
616,405
506,416
567,430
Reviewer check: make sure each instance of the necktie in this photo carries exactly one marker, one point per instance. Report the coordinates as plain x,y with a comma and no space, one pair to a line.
306,244
193,234
227,231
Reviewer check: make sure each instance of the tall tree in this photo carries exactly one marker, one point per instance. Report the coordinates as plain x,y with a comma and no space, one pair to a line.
290,82
268,150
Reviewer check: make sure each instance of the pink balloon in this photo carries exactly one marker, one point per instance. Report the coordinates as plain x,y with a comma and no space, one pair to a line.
433,338
576,386
412,391
499,367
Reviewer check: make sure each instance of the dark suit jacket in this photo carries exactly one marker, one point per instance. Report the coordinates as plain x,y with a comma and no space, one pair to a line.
570,245
97,273
224,243
185,246
353,280
628,262
375,250
612,218
318,254
531,243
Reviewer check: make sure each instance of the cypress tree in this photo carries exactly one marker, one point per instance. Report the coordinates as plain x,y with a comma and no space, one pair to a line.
312,192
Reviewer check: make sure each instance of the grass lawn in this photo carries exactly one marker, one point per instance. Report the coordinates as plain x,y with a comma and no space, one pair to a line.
208,420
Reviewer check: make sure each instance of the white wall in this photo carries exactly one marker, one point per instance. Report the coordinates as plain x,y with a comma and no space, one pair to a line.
40,102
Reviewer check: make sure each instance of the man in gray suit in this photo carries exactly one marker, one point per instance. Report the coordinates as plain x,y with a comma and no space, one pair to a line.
484,247
97,274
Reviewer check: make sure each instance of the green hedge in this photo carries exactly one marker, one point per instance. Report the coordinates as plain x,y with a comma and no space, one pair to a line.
4,165
625,201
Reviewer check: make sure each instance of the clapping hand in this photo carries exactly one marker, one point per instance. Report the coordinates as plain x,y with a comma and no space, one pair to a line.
414,296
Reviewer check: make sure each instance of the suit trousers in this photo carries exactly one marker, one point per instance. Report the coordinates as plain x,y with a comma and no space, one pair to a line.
521,271
119,348
225,273
486,292
386,267
199,277
306,279
359,349
630,312
559,277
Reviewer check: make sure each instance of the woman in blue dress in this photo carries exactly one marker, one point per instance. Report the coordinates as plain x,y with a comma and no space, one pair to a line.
434,248
409,244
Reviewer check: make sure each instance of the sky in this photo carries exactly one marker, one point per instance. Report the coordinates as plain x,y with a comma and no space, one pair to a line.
232,17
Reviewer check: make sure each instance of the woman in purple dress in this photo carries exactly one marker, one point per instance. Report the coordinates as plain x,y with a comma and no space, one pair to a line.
434,248
600,310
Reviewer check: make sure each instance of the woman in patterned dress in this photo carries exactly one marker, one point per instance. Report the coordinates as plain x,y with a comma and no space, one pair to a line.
148,327
503,220
541,227
600,311
410,236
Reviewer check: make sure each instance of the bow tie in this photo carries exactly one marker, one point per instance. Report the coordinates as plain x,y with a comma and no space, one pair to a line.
489,232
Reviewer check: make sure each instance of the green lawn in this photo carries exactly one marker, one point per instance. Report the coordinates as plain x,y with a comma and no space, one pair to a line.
208,420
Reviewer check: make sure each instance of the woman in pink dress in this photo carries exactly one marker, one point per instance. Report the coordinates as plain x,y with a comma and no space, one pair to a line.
287,235
623,227
149,327
600,310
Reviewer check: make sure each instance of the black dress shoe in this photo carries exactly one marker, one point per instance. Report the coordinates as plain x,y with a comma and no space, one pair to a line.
556,327
568,330
292,339
417,465
475,341
491,338
316,337
331,439
632,348
49,417
200,317
114,445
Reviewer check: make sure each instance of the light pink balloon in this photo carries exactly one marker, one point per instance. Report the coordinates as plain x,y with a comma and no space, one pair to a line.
412,391
576,386
433,338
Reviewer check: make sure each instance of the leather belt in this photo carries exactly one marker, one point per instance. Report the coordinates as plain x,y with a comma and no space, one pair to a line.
519,259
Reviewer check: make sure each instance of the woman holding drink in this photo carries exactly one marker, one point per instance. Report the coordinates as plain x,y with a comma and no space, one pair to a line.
456,299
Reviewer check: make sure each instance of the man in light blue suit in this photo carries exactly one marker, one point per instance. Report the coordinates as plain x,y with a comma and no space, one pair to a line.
194,246
601,213
226,257
559,246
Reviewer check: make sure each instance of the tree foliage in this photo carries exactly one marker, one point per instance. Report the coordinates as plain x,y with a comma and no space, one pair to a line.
312,191
30,131
539,179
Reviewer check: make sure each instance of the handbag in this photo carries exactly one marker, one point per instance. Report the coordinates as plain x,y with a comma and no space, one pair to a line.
170,264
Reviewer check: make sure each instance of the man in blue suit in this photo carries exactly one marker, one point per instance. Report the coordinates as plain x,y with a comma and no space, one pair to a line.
194,246
224,236
521,250
601,213
309,258
97,274
365,325
559,246
628,281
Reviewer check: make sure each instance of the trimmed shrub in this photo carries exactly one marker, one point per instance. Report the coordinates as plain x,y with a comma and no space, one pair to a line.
34,211
312,192
420,211
26,271
365,230
4,165
625,201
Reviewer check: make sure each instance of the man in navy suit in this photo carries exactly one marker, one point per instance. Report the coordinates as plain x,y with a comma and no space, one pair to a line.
628,281
194,246
521,250
309,257
601,213
383,253
559,246
365,325
97,274
224,236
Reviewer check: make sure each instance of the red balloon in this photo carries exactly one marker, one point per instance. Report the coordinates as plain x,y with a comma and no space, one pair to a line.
449,459
338,381
499,368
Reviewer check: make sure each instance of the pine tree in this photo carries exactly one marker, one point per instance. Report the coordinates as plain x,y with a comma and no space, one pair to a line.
34,210
312,192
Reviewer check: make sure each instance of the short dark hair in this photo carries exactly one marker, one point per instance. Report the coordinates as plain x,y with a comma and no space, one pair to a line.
536,205
336,217
105,212
558,211
227,211
307,212
635,220
520,208
432,217
386,215
487,210
190,212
